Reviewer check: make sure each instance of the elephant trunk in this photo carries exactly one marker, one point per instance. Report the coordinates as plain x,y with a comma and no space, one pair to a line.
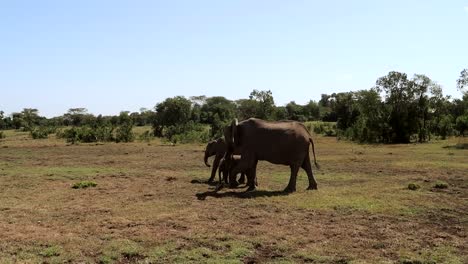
206,159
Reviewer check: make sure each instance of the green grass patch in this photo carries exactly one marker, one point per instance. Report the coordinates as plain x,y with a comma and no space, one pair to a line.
56,173
52,251
441,185
413,186
122,250
439,254
84,185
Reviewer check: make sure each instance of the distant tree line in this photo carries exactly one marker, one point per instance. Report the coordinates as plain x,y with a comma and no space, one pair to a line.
398,109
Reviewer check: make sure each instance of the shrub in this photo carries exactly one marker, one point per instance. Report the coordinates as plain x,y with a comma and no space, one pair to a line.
105,133
78,134
87,134
84,185
124,133
441,185
41,132
323,128
2,135
413,186
188,133
146,136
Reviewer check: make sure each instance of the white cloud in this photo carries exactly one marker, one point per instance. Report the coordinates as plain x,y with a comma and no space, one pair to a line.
466,8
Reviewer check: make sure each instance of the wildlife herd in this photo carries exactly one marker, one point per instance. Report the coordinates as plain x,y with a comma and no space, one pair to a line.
247,142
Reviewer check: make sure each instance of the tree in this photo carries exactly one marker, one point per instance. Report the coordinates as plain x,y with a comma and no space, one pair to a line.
124,132
217,111
295,112
17,120
280,113
30,117
422,84
461,124
312,110
77,117
266,103
344,107
2,122
247,108
171,112
439,116
399,94
372,122
462,82
197,103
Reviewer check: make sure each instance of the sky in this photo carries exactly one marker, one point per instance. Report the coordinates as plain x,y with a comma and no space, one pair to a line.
110,55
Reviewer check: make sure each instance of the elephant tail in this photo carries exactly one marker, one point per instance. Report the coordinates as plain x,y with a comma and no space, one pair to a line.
313,151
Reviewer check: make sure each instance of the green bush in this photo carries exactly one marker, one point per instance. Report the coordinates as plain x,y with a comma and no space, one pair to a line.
413,186
146,136
190,132
2,135
84,185
441,185
41,132
88,134
322,128
79,134
124,133
104,133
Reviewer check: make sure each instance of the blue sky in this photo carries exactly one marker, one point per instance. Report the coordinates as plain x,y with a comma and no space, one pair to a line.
110,56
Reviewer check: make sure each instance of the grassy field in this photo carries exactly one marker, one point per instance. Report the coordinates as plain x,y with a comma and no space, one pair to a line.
151,205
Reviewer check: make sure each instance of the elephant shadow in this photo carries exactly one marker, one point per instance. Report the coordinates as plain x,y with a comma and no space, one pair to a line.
213,183
241,195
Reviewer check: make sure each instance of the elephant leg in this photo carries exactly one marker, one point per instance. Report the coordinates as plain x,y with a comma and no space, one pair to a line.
308,168
242,178
215,167
241,166
292,180
252,176
226,176
220,175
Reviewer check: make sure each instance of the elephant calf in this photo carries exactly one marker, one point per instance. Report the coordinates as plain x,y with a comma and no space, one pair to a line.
217,148
225,168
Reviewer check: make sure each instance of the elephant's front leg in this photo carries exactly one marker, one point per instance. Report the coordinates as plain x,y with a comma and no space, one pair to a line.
215,167
252,176
242,178
241,166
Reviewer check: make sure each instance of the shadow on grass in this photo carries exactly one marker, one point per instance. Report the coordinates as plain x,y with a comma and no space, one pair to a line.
242,195
213,183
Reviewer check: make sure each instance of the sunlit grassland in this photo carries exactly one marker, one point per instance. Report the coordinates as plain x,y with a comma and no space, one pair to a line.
145,209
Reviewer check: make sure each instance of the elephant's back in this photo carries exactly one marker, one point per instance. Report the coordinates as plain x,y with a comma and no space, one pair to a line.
277,142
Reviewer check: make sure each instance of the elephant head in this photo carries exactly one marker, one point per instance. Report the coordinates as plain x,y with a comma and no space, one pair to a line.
209,151
215,147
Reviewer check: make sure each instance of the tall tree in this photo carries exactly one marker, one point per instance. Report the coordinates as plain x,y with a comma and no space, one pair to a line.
30,118
266,103
217,111
462,82
422,84
399,94
171,112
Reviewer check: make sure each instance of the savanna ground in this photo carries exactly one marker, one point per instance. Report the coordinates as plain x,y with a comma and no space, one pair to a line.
151,205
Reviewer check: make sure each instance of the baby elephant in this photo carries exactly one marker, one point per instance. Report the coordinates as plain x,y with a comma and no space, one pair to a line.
225,167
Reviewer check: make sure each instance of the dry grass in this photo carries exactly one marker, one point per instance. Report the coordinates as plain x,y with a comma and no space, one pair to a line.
145,208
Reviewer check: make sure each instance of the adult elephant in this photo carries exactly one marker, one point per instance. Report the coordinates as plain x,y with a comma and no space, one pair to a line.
282,142
217,148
